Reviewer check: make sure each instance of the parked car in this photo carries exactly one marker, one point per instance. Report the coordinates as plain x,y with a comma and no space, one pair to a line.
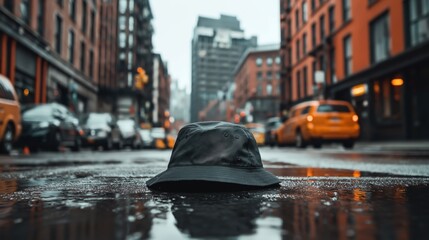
159,137
100,129
50,126
129,133
147,140
257,129
316,122
10,115
271,126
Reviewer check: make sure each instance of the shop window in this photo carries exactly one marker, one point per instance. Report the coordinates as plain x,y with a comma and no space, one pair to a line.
387,101
380,39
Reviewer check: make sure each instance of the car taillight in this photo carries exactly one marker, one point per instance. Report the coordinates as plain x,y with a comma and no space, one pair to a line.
355,118
81,132
309,118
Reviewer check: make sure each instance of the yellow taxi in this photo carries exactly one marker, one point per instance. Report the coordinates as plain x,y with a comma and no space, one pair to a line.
10,115
257,129
316,122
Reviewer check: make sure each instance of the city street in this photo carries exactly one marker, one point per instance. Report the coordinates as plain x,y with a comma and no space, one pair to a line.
367,193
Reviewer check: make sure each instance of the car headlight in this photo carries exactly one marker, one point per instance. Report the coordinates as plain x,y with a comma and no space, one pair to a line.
43,124
102,133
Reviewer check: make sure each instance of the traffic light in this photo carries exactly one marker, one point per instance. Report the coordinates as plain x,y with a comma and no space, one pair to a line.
140,79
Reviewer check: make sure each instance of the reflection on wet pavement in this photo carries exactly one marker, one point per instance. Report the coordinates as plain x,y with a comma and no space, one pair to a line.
357,205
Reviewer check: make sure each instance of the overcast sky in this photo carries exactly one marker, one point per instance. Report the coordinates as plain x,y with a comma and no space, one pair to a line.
174,22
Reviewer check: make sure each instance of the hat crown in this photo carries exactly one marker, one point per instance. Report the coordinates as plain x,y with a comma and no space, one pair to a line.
215,144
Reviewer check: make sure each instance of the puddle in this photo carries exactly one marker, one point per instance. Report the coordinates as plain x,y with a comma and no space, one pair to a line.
307,210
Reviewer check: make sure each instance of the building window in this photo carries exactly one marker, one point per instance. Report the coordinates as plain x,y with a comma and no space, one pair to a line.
297,19
72,9
269,75
130,41
347,43
258,61
58,32
269,61
91,64
417,22
92,26
71,46
313,5
131,24
122,6
314,71
380,38
304,44
277,75
304,12
122,23
304,76
40,15
259,76
313,35
25,10
298,84
297,50
331,19
84,16
9,5
259,90
347,14
60,3
278,60
269,89
130,60
130,79
82,56
322,27
332,66
322,63
131,5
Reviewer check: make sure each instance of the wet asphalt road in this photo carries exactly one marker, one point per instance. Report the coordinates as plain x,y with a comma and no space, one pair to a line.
324,194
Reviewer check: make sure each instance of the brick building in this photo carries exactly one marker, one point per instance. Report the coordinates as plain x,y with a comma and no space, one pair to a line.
258,76
161,92
49,50
372,53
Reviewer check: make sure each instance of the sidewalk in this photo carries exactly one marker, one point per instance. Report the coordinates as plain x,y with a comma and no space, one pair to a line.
394,145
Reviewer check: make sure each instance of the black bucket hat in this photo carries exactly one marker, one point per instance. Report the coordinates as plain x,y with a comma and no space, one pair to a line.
215,152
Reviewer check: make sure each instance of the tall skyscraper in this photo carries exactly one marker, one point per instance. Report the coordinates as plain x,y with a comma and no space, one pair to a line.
217,46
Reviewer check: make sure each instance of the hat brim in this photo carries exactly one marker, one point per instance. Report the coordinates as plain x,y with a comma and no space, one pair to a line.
258,177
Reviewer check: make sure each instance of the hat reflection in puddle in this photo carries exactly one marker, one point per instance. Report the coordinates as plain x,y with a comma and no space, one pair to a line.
211,156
